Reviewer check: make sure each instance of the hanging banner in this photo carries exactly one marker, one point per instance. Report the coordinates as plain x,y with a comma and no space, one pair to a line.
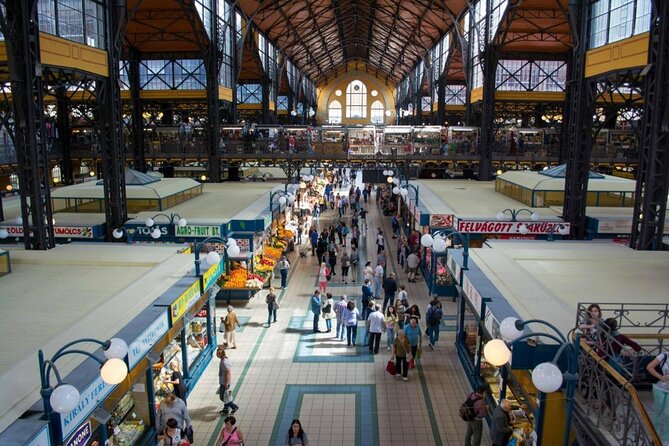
510,227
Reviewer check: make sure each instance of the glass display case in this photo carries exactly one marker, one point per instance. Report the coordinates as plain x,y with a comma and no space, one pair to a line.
333,140
162,371
361,141
397,140
130,418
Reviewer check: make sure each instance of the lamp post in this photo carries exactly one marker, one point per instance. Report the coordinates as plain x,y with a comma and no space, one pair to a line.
128,232
560,229
284,197
212,257
513,214
437,242
546,377
63,397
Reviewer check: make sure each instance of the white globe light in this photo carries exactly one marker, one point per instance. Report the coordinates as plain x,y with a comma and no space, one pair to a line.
4,233
149,222
502,216
534,216
213,258
155,233
282,200
19,220
182,222
114,371
564,230
64,398
396,190
389,180
118,348
404,192
231,241
396,181
547,377
117,233
508,329
523,229
439,245
496,352
293,113
426,240
303,185
233,251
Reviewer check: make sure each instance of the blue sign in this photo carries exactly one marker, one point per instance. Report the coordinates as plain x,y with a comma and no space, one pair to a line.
43,438
147,339
94,394
81,435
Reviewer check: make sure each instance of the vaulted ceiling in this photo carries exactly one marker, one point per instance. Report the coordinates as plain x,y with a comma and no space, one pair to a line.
323,36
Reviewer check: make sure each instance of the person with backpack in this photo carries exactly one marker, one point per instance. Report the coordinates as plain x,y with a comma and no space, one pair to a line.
473,411
433,321
659,368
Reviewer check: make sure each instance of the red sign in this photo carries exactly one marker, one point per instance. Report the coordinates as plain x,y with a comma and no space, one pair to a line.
510,227
59,231
441,220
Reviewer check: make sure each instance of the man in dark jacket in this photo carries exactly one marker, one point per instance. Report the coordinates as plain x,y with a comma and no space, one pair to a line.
500,429
367,294
475,426
389,290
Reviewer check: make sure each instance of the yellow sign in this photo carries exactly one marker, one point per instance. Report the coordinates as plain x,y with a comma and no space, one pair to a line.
211,275
185,301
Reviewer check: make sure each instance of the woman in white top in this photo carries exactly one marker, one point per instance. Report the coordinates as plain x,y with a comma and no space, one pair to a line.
351,316
323,273
369,272
328,311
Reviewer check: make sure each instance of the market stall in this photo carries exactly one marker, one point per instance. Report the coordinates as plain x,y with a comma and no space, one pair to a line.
427,140
332,140
397,140
361,141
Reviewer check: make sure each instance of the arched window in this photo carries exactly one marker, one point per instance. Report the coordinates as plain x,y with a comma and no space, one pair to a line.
377,112
356,100
334,112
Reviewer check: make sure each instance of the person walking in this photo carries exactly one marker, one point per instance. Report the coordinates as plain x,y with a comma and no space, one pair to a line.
363,220
380,241
225,382
500,429
351,316
345,265
367,293
391,326
313,235
339,308
412,331
284,266
412,263
230,435
376,325
354,258
378,280
368,272
296,434
389,290
272,305
231,322
401,351
172,435
328,312
433,321
475,426
323,275
172,407
316,303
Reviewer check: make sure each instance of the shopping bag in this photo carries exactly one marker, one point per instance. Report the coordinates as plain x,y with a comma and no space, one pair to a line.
412,364
390,368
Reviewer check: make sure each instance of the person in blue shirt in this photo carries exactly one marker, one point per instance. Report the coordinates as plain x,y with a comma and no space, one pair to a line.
367,293
413,333
314,241
316,304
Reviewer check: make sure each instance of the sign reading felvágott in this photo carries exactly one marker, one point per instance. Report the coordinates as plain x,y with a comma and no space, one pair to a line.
197,231
509,227
145,341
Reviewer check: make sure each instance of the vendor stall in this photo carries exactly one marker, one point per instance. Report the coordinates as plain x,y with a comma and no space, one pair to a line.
427,140
361,141
397,140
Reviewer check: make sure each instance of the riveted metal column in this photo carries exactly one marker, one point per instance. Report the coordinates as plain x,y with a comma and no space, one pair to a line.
138,150
20,28
213,58
441,100
489,61
109,123
265,85
581,109
650,204
64,135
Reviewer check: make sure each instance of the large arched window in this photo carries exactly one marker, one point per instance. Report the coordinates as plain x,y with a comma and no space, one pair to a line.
377,112
356,100
334,112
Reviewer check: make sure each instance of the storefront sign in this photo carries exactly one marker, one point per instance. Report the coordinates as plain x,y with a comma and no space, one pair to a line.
59,231
94,394
43,438
614,226
197,231
509,227
441,220
185,301
472,295
81,435
209,278
490,322
147,339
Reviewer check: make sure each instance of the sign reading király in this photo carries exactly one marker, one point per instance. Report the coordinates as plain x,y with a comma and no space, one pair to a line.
510,227
59,231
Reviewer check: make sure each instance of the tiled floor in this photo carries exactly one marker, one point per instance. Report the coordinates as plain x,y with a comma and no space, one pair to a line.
343,396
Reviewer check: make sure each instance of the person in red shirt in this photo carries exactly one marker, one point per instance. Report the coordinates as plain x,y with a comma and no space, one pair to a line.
612,343
475,426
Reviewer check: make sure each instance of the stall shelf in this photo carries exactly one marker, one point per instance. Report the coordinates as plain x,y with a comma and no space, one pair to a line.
361,141
397,140
427,140
332,140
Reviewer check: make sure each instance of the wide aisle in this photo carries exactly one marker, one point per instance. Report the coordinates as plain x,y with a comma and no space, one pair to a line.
343,396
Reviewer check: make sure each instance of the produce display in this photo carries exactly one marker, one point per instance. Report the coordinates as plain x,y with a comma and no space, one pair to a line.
236,279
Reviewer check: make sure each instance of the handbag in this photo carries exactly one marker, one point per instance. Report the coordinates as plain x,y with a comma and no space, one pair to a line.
188,434
412,364
390,368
